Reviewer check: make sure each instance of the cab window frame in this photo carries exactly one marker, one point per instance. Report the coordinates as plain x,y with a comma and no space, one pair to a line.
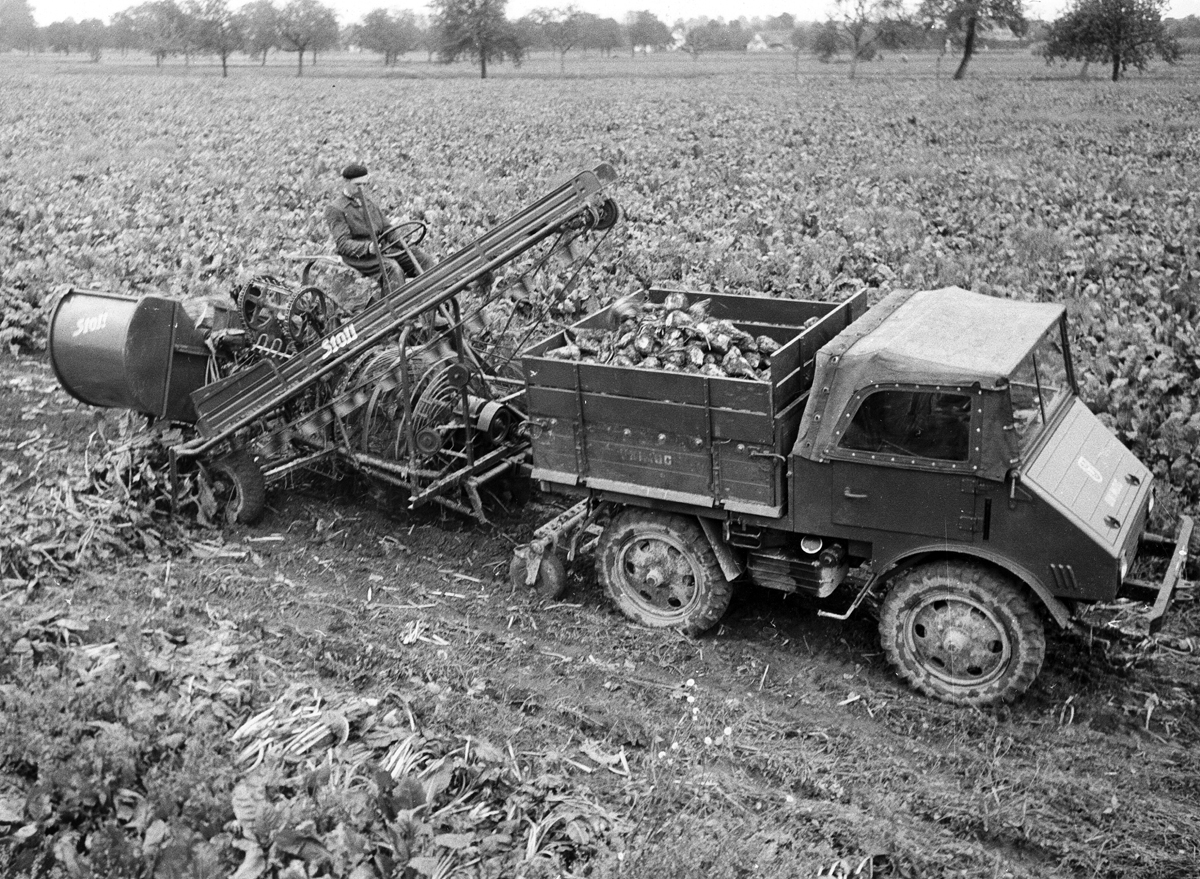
898,457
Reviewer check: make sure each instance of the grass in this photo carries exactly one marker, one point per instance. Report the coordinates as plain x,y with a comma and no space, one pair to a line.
1018,181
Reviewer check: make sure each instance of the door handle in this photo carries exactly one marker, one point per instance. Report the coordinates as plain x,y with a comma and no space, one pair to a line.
853,495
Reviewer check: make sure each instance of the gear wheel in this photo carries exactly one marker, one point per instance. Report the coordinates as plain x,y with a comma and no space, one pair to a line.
259,303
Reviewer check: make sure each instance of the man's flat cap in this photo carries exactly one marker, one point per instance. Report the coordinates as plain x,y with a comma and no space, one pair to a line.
354,170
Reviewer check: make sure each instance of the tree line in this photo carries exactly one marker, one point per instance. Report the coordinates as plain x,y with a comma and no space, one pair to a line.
1121,33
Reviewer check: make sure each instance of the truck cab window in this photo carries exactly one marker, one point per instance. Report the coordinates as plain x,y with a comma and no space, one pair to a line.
1038,387
914,424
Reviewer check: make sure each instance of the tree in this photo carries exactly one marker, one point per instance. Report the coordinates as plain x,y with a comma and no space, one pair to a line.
217,29
646,30
90,37
826,41
965,18
1121,32
603,34
122,32
328,36
60,35
305,25
562,29
863,24
18,30
476,29
391,35
261,22
785,22
717,36
159,26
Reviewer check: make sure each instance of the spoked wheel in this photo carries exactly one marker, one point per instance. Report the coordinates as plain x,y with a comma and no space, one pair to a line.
239,488
308,316
963,633
659,569
551,580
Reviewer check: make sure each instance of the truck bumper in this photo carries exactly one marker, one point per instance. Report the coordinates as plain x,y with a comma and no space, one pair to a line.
1161,593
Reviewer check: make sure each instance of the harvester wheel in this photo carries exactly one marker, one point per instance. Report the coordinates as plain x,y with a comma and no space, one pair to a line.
962,632
608,215
308,313
551,579
660,571
240,487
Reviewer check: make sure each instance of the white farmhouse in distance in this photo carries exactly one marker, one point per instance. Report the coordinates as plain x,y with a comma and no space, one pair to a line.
770,41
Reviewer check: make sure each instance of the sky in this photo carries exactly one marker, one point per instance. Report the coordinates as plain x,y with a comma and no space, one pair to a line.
669,11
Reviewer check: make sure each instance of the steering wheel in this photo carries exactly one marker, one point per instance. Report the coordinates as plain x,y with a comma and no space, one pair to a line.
410,232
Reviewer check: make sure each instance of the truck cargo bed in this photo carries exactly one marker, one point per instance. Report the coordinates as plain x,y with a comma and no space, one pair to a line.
700,440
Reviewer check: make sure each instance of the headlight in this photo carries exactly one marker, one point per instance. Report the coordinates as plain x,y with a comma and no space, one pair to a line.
1150,506
1124,568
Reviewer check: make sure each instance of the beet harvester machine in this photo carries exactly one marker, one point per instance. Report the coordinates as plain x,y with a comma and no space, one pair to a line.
412,390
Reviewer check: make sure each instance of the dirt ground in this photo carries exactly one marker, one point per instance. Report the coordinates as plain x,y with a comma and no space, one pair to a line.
780,743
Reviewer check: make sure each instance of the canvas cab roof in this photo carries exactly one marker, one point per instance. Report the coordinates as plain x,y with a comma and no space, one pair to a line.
946,337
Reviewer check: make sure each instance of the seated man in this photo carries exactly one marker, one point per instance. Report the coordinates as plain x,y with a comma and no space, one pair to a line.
357,225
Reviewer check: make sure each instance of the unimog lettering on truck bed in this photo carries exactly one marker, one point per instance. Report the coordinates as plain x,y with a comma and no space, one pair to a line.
931,453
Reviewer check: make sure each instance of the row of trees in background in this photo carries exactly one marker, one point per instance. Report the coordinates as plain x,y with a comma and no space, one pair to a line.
1122,33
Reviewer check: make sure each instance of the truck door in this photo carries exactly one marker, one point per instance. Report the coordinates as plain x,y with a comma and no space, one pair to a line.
905,463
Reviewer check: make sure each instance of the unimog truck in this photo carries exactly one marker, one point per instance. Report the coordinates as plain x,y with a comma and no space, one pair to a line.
930,454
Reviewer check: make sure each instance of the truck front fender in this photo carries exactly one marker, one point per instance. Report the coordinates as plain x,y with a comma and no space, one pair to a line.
913,556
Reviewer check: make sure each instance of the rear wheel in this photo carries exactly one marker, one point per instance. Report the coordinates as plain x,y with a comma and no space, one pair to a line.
659,569
962,632
239,487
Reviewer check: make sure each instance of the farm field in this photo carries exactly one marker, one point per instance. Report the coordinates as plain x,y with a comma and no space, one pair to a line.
348,688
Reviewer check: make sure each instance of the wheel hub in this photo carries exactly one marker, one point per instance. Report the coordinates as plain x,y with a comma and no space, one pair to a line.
959,640
659,573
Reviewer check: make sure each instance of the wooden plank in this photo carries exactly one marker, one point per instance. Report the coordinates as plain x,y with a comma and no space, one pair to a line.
794,385
675,463
743,478
552,403
676,418
741,394
555,448
642,384
753,427
664,494
556,341
550,373
787,424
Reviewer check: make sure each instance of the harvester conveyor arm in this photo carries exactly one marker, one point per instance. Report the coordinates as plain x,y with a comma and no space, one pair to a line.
231,404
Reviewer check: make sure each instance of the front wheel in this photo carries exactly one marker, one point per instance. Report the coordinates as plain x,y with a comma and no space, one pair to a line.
551,579
962,632
660,571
